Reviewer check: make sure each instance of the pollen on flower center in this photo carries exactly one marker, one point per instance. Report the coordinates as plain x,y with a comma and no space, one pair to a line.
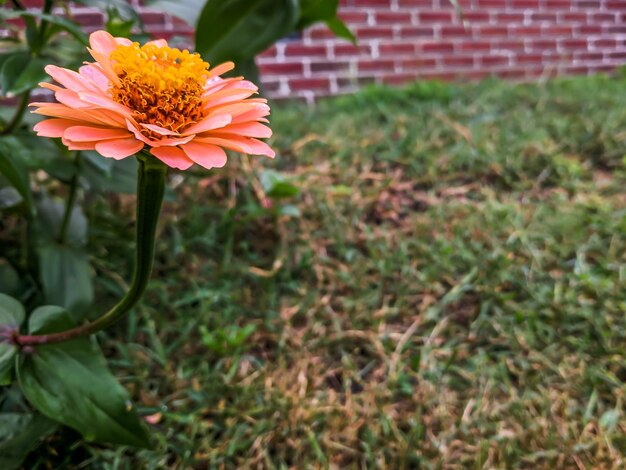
162,85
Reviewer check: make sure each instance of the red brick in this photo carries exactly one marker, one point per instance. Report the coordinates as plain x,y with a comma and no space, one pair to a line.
392,17
314,84
281,68
474,46
437,47
353,17
376,65
454,32
525,4
417,32
301,50
529,58
435,16
492,31
396,48
558,4
604,42
525,31
458,61
418,63
493,60
325,66
476,16
351,50
374,32
556,30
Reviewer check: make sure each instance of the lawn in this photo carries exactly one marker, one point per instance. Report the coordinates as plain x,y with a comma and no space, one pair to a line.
446,290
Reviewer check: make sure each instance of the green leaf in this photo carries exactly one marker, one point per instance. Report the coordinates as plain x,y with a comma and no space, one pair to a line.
277,186
187,10
238,30
118,26
312,11
340,29
9,279
11,70
105,174
20,433
50,215
11,317
30,76
66,25
70,383
122,7
16,173
66,277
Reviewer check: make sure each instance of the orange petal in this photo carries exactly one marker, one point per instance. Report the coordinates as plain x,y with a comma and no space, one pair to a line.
173,157
95,75
79,145
208,124
240,144
70,98
104,62
98,117
86,134
53,127
158,129
104,43
105,102
222,68
247,129
119,149
158,43
206,155
68,78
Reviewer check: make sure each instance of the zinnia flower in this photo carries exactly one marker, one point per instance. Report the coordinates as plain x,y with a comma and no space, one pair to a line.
156,96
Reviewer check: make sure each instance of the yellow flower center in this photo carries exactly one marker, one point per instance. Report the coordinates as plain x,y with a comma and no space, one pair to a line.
162,85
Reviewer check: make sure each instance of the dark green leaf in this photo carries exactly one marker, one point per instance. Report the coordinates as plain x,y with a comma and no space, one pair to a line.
66,277
15,172
11,317
30,76
312,11
20,433
9,280
104,174
66,25
11,69
238,30
50,214
70,383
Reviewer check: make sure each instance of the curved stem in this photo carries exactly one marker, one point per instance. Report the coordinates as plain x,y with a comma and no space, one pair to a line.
150,190
17,117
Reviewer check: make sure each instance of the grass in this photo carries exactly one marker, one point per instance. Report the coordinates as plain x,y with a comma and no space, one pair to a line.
447,290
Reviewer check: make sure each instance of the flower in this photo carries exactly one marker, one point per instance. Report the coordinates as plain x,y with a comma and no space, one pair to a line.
157,96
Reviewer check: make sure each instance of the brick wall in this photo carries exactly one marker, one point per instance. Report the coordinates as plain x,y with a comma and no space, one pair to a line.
402,40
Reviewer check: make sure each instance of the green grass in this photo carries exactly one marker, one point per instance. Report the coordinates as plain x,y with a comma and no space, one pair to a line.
448,291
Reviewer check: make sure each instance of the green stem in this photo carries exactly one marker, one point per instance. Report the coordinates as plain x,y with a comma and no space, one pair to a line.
19,113
150,190
69,207
47,8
